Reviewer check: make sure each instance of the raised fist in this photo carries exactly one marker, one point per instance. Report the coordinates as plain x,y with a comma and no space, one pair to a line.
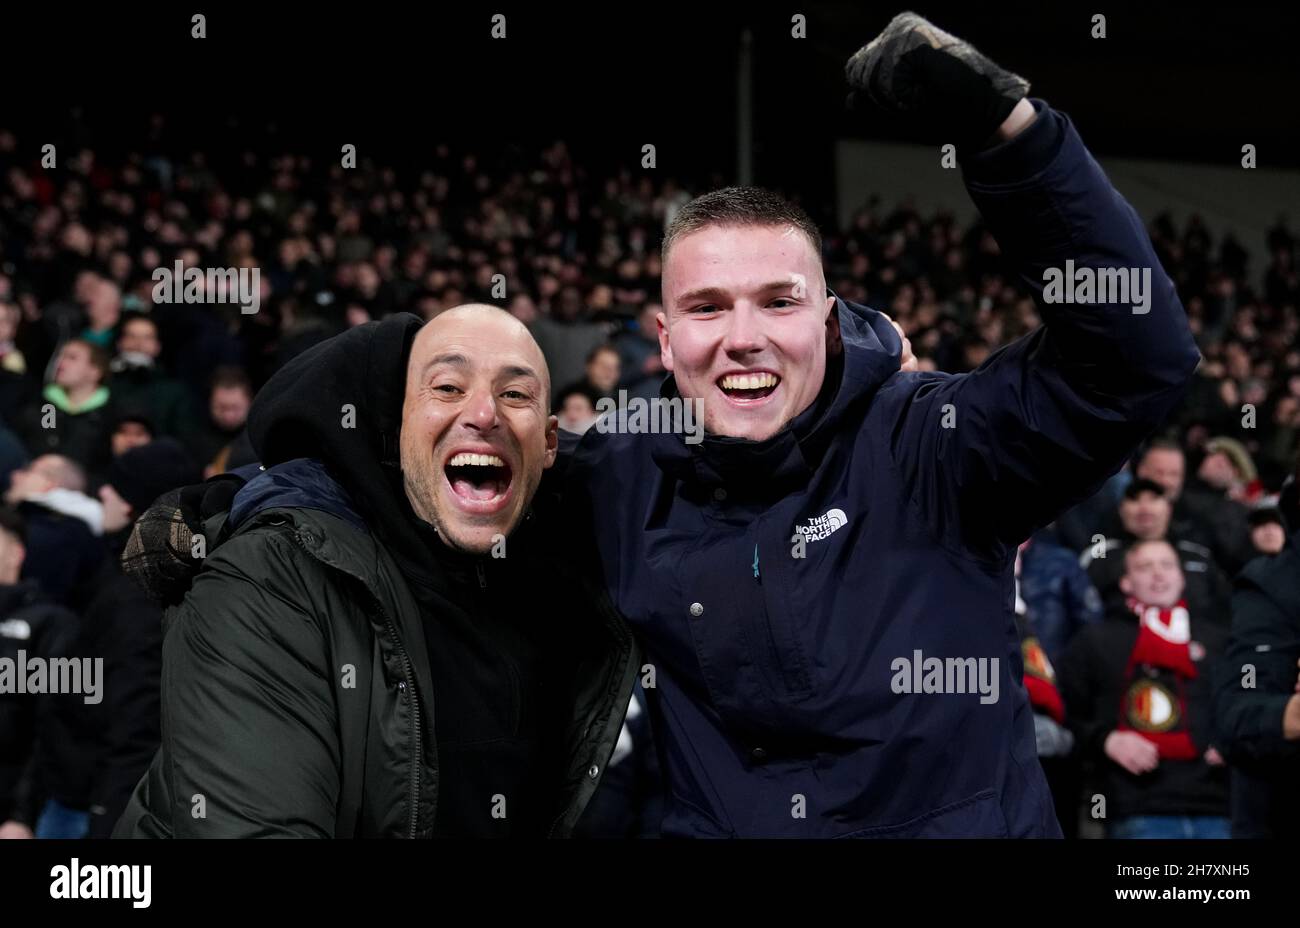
940,84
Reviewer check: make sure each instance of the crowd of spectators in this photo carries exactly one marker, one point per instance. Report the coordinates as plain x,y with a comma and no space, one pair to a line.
108,398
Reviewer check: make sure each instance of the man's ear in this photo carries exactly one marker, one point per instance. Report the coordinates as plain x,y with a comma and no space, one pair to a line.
834,343
552,441
665,349
1126,585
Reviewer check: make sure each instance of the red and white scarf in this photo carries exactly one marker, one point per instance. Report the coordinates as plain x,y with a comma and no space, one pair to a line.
1159,669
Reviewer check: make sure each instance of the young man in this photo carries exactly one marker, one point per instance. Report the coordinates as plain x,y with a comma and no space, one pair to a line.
73,416
1138,694
844,527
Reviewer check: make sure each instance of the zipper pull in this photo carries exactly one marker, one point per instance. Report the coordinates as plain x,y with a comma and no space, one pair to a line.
482,576
756,561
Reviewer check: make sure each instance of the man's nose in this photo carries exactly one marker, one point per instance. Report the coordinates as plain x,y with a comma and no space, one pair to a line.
480,411
744,330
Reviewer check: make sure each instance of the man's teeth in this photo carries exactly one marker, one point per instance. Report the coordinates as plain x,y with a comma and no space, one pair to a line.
465,459
749,381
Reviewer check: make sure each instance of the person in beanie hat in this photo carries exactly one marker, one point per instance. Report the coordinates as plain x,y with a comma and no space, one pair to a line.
131,430
139,476
1267,529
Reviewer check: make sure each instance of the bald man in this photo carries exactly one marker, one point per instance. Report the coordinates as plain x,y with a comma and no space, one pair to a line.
362,650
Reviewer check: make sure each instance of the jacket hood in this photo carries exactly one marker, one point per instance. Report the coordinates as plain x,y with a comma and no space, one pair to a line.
339,406
872,353
340,402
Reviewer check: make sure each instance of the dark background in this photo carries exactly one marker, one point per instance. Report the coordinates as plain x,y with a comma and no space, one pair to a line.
1171,80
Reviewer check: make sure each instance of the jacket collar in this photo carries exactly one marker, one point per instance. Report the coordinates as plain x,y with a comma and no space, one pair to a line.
872,352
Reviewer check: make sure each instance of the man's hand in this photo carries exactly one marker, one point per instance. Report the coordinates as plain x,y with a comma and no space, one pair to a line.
13,829
909,362
940,83
1131,751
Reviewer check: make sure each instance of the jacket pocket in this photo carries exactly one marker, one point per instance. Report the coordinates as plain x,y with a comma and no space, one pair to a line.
978,816
774,627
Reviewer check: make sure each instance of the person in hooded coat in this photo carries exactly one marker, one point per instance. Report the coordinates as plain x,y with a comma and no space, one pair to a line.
336,665
824,583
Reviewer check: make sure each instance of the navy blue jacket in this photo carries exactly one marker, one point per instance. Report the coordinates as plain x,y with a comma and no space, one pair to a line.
774,702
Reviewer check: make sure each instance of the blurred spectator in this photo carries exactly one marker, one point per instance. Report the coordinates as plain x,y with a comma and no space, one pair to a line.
62,525
1054,741
1267,530
1227,469
12,455
566,340
97,753
38,628
1258,697
228,403
576,408
1058,593
11,359
74,417
103,310
17,389
139,386
641,369
58,484
1145,515
600,377
130,430
1198,513
1148,664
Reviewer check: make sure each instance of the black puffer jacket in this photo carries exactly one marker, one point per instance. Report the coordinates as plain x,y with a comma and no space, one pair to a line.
297,689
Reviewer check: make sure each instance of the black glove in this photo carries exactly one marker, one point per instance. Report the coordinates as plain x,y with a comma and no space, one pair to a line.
941,85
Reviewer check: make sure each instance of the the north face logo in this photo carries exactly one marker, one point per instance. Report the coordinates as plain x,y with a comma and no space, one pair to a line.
823,526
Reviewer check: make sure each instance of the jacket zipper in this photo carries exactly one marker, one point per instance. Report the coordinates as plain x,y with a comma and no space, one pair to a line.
417,762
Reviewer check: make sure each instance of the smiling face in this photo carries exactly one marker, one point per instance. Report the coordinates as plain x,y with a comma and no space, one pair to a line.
475,431
1152,574
746,325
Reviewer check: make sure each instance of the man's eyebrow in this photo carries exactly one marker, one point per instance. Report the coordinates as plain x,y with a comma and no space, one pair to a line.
458,360
718,293
516,370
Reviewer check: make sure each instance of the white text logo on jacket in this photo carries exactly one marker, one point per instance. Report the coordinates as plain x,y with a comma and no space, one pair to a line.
822,526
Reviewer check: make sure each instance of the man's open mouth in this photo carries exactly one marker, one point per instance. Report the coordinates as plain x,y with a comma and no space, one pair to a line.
748,388
480,482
